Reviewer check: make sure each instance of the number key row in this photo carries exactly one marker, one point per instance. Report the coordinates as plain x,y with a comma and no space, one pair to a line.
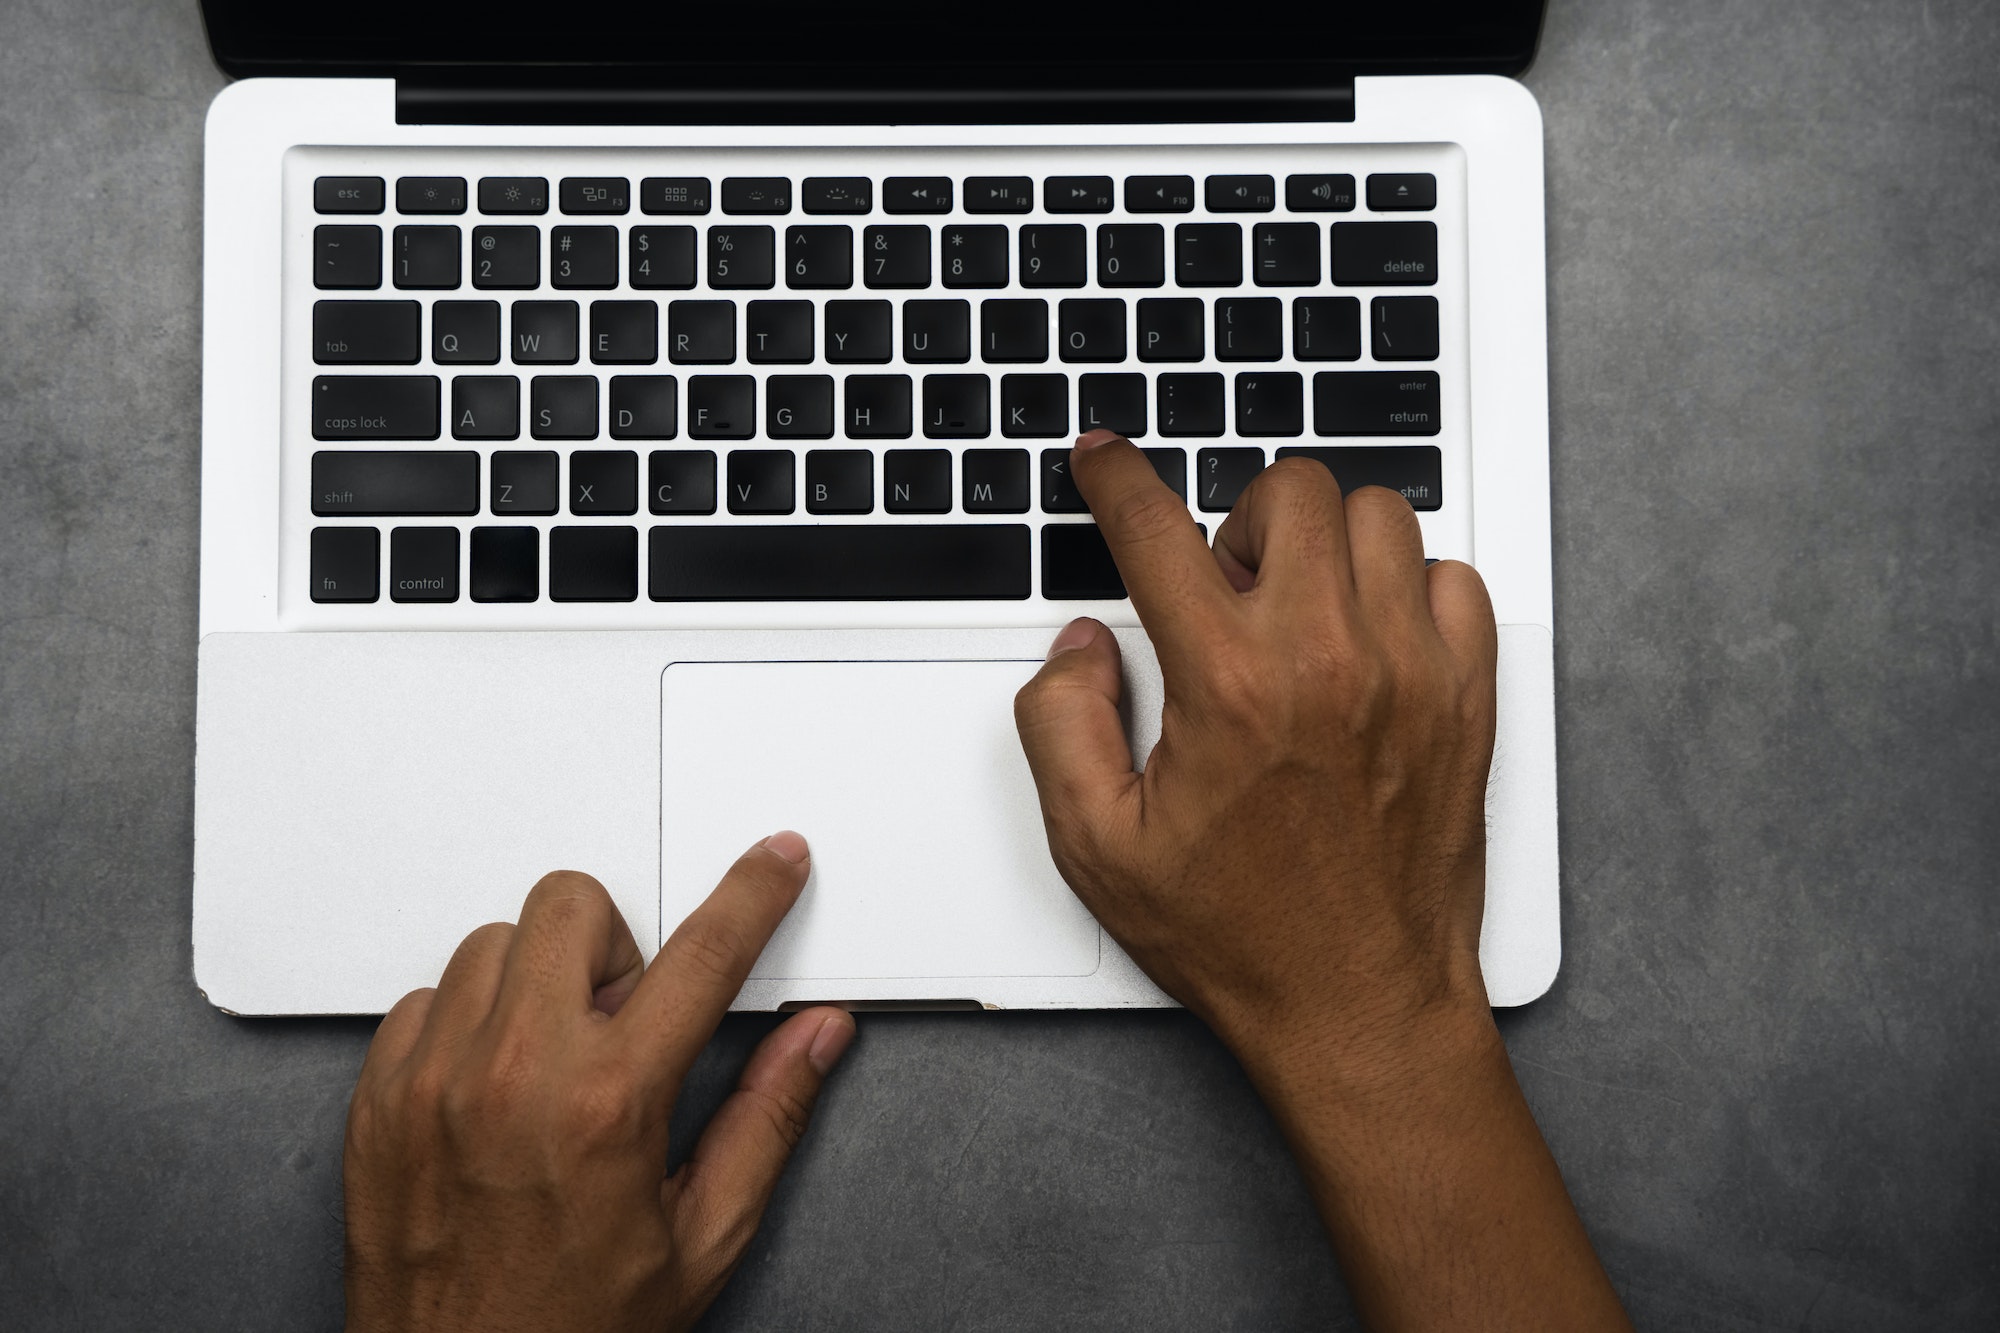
822,257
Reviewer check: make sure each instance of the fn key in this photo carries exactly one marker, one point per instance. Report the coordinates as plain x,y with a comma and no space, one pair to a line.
346,564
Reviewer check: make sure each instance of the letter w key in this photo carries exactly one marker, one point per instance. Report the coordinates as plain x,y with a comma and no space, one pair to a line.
545,332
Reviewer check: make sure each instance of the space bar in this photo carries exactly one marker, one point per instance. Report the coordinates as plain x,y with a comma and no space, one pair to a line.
862,563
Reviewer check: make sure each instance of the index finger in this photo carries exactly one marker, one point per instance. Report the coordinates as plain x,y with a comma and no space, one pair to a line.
1169,572
701,967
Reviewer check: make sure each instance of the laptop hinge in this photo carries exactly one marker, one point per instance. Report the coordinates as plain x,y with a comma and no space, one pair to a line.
887,98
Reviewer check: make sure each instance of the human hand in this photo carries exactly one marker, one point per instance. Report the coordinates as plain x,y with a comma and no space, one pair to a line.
1306,845
1302,863
507,1141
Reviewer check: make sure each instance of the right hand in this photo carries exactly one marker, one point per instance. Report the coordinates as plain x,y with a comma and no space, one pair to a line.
1306,845
1302,864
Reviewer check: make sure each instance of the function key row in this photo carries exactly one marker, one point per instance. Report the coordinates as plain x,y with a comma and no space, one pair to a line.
752,195
746,256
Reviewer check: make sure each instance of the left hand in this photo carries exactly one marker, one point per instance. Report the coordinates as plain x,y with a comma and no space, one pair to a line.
507,1141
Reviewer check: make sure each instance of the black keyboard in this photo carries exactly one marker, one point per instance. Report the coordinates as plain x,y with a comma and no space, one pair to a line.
684,386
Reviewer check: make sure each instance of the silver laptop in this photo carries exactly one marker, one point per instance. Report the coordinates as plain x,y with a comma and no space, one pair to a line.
630,435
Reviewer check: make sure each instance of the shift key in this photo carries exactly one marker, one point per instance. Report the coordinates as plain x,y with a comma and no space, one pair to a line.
375,407
395,484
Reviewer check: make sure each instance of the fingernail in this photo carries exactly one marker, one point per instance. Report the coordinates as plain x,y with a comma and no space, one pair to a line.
830,1043
1092,438
788,845
1079,633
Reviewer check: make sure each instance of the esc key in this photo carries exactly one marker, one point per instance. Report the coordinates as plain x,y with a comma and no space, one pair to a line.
348,194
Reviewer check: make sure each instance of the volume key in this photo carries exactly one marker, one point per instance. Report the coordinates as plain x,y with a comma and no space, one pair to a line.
1159,194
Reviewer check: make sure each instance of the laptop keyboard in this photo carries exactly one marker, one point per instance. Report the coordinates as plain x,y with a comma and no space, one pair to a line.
575,387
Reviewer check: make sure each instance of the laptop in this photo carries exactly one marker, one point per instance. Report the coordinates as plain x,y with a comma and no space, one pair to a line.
631,433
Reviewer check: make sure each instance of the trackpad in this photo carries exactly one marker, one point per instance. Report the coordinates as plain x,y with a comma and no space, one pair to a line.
929,858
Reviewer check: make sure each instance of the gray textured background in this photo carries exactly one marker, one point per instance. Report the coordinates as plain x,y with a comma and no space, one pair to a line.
1769,1067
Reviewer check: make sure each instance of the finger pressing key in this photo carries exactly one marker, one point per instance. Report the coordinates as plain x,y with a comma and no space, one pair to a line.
1177,589
1287,525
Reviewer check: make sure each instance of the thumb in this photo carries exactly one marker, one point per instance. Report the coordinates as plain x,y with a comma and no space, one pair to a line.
1076,745
718,1197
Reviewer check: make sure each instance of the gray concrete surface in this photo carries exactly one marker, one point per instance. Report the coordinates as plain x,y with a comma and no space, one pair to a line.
1769,1068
